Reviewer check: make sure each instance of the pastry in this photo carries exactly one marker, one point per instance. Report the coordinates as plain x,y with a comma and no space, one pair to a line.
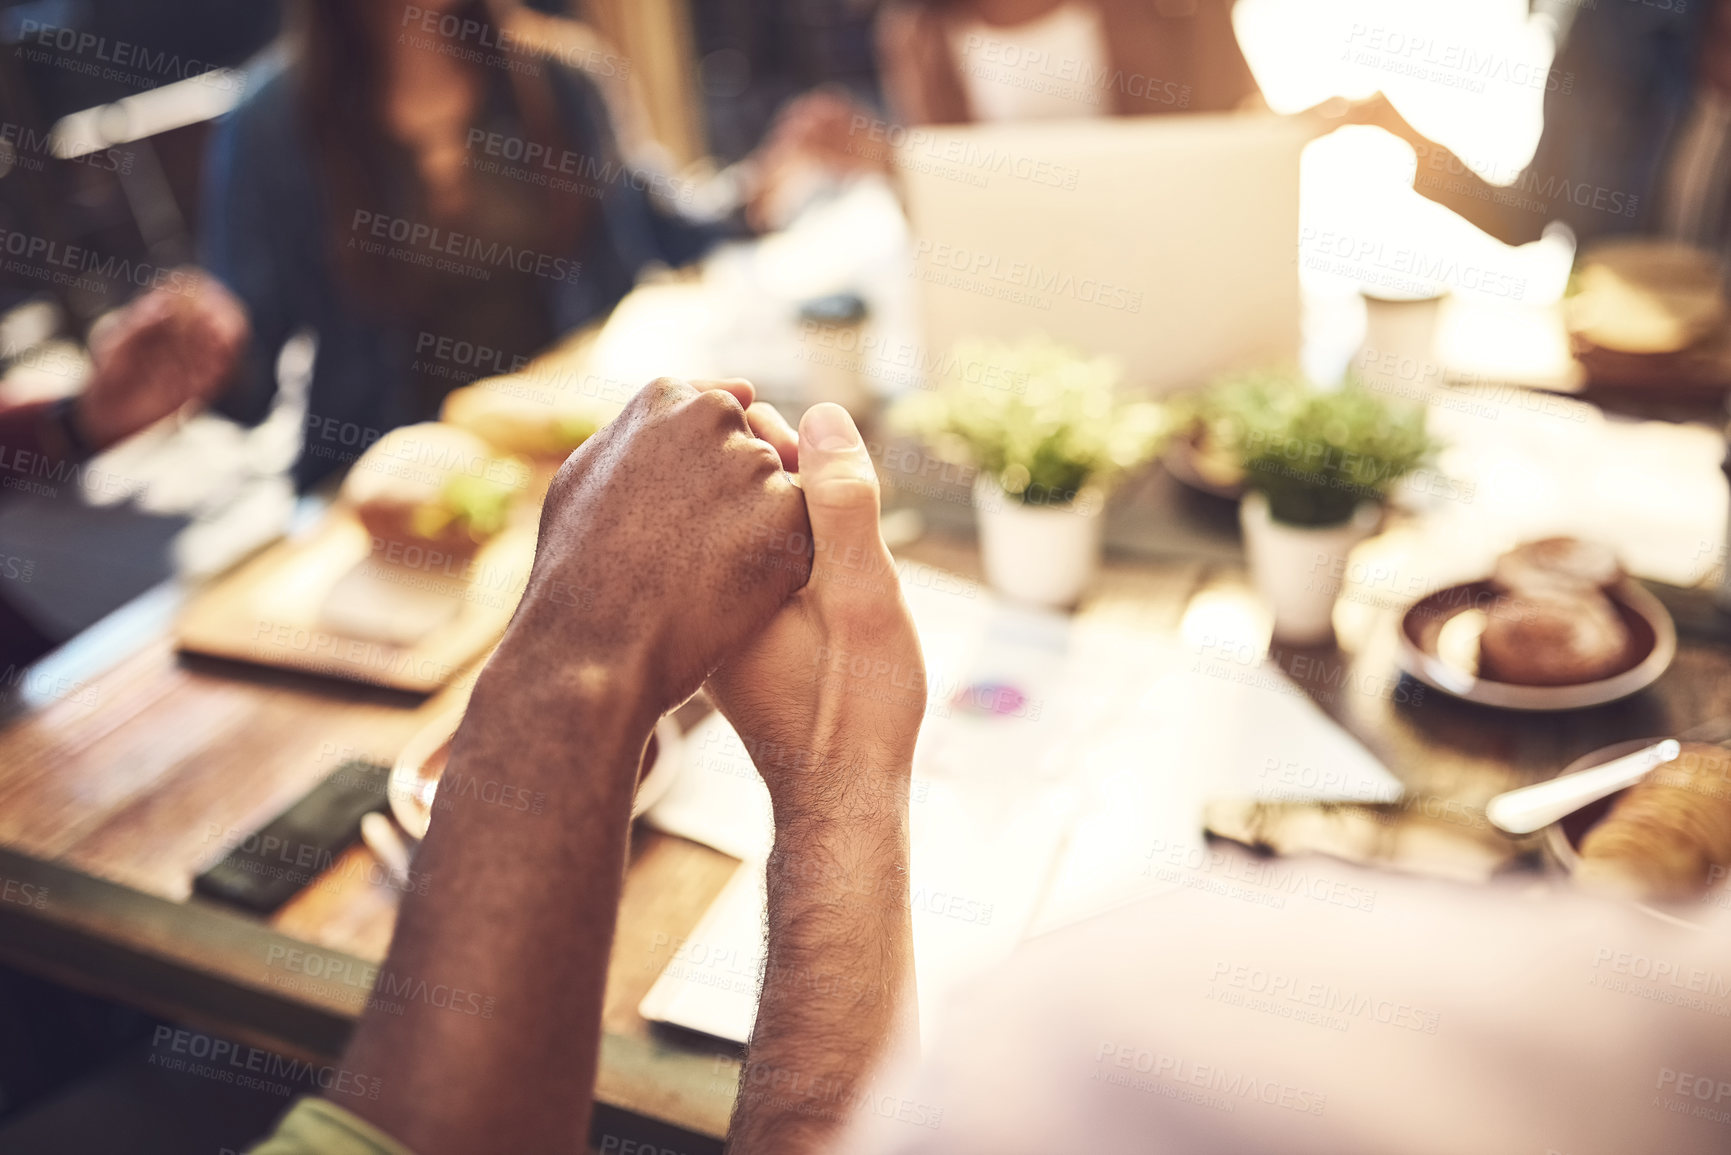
1641,296
1552,638
1669,836
1557,563
543,411
523,415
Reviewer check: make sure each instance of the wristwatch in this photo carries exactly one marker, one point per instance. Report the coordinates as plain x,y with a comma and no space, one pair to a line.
61,435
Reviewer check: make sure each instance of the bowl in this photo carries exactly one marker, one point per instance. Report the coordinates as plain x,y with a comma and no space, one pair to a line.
1563,837
1439,645
414,780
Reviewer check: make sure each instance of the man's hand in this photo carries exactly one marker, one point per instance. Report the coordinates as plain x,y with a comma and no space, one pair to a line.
174,346
829,698
657,529
651,566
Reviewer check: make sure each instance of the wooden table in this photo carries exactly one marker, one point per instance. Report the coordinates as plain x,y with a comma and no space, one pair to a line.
120,780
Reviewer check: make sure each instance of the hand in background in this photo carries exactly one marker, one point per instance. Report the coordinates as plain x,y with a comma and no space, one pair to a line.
828,698
816,137
652,561
174,346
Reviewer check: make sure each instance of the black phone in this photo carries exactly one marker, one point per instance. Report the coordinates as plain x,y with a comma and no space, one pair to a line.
268,867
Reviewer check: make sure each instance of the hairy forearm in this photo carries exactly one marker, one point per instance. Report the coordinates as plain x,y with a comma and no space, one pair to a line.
838,989
524,865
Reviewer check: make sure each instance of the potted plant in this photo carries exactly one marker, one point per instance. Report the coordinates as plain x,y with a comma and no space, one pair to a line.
1205,449
1318,465
1045,429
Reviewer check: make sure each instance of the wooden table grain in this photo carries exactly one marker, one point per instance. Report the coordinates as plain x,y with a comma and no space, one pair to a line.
119,786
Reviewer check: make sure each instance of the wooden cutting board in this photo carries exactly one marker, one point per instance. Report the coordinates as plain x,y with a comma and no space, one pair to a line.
321,604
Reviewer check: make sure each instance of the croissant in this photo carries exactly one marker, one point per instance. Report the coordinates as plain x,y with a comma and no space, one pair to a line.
1666,835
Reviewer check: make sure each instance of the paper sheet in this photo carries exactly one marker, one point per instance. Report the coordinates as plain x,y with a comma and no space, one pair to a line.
1055,765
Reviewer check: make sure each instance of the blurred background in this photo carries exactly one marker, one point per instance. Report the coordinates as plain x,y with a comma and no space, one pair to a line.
1313,309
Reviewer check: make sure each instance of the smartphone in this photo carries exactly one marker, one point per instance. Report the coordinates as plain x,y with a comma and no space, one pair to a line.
268,867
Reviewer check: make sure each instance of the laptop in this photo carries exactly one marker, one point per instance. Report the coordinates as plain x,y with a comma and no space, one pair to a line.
1168,242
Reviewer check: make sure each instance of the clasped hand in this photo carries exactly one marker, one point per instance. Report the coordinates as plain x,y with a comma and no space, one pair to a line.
701,559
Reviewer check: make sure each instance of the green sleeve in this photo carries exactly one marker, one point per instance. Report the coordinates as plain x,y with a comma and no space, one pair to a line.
320,1127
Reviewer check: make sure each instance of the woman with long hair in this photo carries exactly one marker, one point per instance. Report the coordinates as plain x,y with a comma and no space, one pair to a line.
434,194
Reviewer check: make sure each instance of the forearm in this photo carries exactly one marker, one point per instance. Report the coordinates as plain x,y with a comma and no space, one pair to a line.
1447,180
838,989
524,864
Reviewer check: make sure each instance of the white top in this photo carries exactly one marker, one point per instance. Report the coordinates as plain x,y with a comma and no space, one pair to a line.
1051,68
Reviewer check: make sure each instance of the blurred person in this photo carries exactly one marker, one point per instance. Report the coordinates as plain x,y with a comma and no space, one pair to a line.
1636,136
435,191
962,61
409,180
1362,1014
810,149
174,347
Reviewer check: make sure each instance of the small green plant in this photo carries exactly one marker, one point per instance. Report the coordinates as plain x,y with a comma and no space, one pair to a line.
1215,420
1315,454
1038,417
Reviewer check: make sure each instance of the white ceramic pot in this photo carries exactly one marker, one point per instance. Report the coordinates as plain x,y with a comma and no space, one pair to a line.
1298,569
1045,555
1398,354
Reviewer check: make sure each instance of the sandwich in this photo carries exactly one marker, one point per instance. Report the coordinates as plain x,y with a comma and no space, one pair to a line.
433,488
